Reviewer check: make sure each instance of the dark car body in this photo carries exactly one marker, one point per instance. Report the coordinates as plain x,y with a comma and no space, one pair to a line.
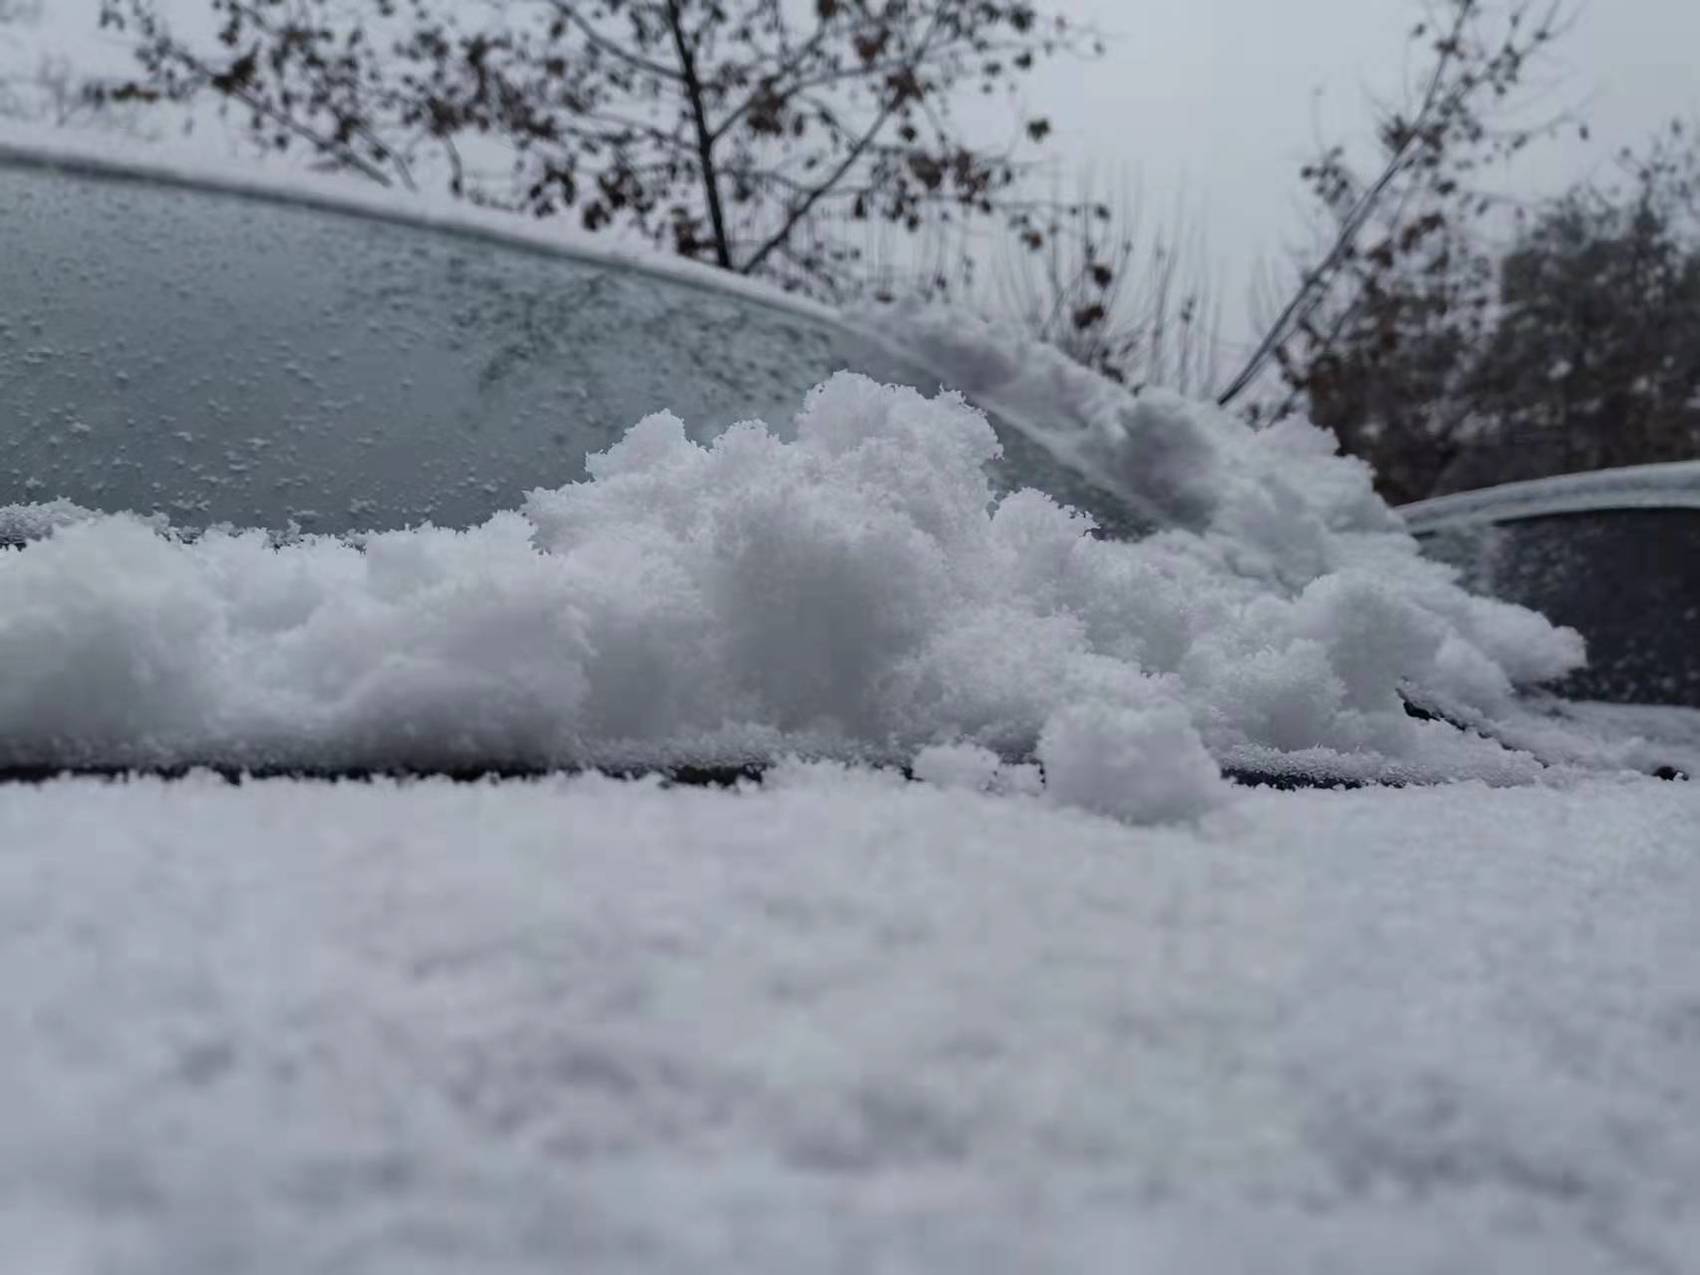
1614,554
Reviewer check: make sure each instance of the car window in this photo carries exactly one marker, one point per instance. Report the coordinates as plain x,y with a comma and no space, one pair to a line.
1627,579
225,358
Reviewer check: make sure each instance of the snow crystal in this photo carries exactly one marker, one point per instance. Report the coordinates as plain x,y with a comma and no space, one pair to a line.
856,592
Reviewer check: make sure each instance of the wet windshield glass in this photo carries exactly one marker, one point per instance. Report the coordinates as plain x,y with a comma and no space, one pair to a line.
228,359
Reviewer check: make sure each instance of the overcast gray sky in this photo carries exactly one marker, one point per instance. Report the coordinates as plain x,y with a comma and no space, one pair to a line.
1221,99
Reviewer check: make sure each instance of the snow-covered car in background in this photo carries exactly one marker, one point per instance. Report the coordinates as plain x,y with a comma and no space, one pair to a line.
296,481
1614,554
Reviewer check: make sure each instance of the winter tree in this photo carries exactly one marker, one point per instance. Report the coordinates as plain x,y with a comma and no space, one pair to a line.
756,135
1594,356
1371,336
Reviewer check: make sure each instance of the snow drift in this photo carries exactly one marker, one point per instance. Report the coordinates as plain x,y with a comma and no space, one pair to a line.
857,592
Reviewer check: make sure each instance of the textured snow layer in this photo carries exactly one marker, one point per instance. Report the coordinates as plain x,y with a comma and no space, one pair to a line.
854,592
22,523
280,179
1645,737
843,1023
1668,486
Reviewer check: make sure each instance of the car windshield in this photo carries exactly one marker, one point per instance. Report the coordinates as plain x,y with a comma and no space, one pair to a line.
176,349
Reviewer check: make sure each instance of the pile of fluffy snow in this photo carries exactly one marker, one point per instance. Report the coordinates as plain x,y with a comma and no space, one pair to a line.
857,592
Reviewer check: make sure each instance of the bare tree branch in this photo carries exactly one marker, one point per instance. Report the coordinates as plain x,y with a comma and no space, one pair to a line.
570,12
1314,285
722,129
704,137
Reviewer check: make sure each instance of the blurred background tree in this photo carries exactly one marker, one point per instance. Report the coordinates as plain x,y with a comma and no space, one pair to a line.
742,133
1455,336
1594,355
1132,300
1445,325
48,89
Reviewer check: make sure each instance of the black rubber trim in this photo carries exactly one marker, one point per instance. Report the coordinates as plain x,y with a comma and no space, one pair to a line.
677,776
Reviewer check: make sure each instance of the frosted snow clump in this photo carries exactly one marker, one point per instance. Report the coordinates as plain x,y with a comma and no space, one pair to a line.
857,592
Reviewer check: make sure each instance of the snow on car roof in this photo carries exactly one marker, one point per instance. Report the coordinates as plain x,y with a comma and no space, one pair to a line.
841,1022
1675,485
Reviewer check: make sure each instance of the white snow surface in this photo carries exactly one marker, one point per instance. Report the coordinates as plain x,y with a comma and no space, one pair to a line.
844,1023
1671,485
282,179
19,523
854,592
